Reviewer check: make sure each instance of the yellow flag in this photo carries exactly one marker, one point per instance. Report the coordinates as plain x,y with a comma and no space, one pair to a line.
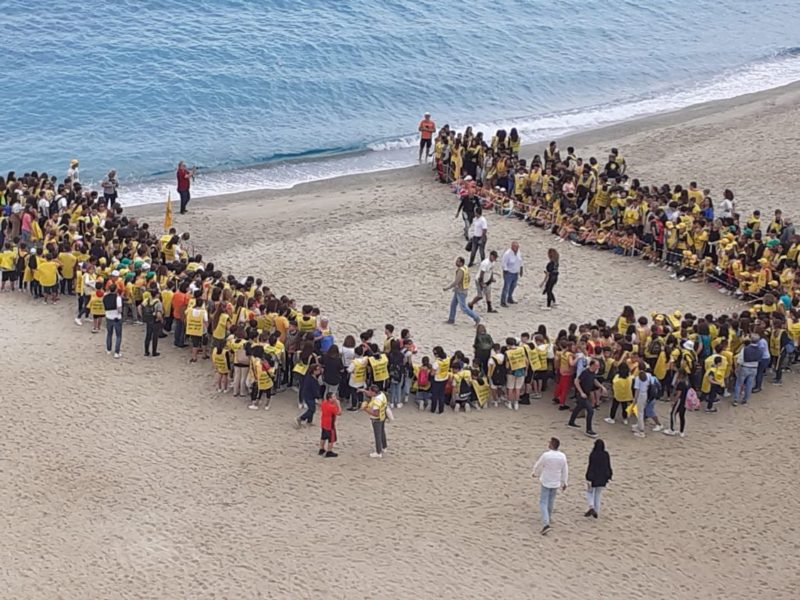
168,212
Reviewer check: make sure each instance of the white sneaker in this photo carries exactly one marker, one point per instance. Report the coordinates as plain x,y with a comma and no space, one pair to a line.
673,276
456,407
78,322
682,434
638,433
682,278
547,307
253,406
376,455
668,432
624,421
516,405
467,408
108,352
609,420
117,355
508,405
399,405
420,404
658,428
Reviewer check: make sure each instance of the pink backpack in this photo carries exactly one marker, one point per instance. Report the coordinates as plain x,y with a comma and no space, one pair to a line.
692,401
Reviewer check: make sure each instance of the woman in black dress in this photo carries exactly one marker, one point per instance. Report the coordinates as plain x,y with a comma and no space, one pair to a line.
550,278
598,474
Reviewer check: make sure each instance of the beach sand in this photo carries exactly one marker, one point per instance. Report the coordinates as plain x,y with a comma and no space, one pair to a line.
132,478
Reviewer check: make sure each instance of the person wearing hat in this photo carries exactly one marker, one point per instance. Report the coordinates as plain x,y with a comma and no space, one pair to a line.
376,406
73,173
426,130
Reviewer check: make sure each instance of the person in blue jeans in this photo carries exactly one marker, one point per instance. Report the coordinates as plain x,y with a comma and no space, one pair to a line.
460,286
747,371
512,271
553,473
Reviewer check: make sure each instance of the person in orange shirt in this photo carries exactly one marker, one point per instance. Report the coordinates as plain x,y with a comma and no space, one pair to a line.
179,301
426,130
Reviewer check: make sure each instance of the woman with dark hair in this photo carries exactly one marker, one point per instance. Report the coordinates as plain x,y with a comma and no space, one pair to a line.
550,278
441,375
332,370
598,474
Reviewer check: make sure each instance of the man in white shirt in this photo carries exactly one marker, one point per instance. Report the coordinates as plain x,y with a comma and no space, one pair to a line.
479,228
484,281
553,473
512,272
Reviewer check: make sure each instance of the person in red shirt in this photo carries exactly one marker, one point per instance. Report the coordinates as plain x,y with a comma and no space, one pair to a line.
329,409
184,176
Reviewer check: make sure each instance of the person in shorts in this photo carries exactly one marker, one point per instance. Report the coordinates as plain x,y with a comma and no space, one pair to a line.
329,409
426,130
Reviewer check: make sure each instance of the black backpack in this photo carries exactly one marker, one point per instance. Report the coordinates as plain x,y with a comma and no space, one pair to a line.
464,390
148,311
499,373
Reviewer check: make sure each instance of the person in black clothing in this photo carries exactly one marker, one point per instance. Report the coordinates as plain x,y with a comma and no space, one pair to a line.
585,383
332,368
598,474
550,278
466,208
309,394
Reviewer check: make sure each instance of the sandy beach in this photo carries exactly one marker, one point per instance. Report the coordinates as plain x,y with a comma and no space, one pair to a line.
135,479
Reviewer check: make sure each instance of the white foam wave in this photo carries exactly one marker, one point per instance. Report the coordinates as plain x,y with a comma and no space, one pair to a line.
390,154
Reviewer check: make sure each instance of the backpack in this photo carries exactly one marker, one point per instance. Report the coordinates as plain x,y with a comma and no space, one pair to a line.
54,206
654,390
692,401
464,389
499,373
654,347
396,372
149,311
422,378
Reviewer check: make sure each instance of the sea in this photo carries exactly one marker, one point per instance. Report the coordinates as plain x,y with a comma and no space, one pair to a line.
273,93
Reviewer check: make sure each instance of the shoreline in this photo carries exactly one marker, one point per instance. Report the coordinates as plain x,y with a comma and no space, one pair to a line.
585,139
132,476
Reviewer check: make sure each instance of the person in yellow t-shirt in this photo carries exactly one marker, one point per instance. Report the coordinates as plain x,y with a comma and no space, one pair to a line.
47,272
713,382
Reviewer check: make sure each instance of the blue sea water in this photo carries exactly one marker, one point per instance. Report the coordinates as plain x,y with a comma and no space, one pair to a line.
252,90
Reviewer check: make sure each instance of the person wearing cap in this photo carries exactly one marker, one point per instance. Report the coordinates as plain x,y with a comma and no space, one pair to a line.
426,130
376,406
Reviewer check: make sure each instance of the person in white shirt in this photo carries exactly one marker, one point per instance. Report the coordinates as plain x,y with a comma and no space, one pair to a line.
479,228
73,172
725,208
484,281
553,473
512,272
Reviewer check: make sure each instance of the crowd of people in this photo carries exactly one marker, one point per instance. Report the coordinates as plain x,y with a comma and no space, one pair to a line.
59,239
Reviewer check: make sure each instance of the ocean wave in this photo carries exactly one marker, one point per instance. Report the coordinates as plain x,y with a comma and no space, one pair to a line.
284,171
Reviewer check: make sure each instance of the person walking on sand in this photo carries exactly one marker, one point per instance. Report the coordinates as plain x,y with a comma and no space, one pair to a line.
553,473
512,273
585,384
112,304
598,474
377,407
550,278
480,227
484,282
460,286
426,130
309,393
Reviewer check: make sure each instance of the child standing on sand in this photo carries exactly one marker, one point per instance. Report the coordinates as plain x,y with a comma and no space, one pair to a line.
329,409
